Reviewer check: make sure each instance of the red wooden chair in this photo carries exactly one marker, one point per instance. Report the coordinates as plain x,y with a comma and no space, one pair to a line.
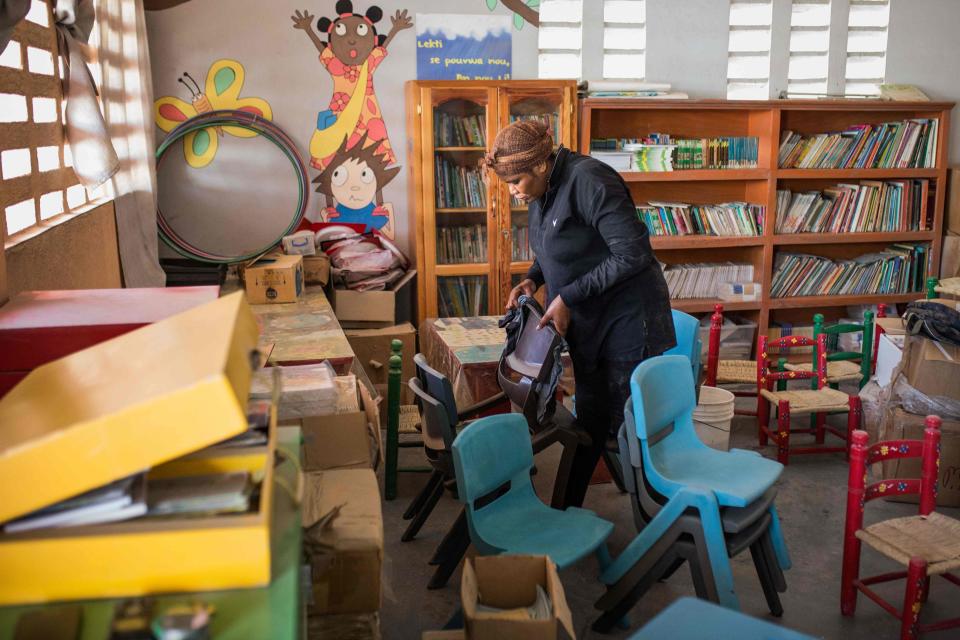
819,401
727,371
927,544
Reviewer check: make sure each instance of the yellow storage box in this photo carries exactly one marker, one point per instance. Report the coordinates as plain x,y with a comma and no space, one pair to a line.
133,403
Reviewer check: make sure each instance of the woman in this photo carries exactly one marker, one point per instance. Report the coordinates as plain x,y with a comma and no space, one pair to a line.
608,295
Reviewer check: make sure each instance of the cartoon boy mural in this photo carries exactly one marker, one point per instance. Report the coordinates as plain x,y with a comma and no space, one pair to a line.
352,183
353,52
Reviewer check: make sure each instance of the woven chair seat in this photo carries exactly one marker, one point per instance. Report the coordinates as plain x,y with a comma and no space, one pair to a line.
935,538
736,371
810,400
837,371
409,419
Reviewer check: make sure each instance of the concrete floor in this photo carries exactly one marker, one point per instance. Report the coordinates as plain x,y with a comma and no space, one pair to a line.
811,504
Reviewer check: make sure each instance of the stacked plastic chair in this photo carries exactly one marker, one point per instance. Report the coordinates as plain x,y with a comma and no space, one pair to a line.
691,503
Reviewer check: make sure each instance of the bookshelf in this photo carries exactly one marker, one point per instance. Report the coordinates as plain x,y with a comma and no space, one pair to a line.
767,120
465,253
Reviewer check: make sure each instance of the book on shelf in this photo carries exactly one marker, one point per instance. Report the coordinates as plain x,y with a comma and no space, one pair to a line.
552,120
870,206
681,219
465,244
451,130
521,243
892,145
617,160
900,268
462,296
650,151
702,280
459,186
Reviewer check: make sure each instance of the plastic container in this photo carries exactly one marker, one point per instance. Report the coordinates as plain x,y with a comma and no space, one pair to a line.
713,416
737,337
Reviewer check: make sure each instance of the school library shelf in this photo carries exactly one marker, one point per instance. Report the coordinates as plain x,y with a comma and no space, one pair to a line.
879,209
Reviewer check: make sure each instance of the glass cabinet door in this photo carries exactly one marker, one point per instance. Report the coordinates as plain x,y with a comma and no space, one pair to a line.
549,106
458,249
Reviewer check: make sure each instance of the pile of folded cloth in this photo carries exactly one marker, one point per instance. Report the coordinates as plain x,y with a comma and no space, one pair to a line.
361,261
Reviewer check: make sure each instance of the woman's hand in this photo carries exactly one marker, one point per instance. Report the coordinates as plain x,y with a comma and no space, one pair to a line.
527,287
559,313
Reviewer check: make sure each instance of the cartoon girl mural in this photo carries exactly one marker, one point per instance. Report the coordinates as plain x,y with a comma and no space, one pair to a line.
353,52
352,183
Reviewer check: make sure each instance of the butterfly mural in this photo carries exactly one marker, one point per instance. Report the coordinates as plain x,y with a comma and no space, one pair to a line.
221,91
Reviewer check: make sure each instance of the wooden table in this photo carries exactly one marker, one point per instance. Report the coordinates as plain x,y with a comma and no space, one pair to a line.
305,332
274,611
467,351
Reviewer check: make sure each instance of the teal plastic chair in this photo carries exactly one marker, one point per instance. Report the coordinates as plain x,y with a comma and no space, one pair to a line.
495,451
688,473
687,330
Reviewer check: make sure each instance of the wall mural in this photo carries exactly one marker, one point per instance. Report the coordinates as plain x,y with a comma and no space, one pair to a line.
352,183
352,53
523,11
221,91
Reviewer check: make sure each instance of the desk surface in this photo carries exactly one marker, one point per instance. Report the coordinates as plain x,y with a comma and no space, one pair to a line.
304,332
472,341
269,612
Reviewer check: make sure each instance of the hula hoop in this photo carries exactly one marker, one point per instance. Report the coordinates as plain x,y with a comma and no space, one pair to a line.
251,122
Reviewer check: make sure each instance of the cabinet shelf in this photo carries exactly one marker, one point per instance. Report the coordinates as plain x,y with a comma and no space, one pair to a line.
803,302
854,174
787,239
704,305
695,175
702,241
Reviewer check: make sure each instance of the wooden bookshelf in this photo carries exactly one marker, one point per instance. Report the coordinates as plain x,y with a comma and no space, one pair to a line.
616,118
498,102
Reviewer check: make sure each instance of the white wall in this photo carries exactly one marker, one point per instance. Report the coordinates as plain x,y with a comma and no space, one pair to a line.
687,46
924,49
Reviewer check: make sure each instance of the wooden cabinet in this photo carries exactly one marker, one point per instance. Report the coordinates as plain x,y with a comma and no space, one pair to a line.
472,241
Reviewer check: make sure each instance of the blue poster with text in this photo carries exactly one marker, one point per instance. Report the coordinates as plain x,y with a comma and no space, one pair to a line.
463,47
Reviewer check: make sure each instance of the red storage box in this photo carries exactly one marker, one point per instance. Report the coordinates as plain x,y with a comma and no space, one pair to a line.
37,327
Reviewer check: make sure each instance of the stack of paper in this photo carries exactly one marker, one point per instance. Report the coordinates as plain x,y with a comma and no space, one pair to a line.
200,495
703,280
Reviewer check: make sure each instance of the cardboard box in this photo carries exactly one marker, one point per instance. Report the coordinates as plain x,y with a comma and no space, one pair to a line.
893,326
274,278
510,582
302,243
932,368
316,270
889,355
950,256
372,309
902,425
372,350
346,553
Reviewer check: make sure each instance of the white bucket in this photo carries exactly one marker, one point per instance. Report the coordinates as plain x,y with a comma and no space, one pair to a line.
713,416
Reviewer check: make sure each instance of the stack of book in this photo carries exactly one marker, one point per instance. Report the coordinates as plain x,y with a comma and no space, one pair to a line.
618,160
452,130
651,157
680,219
521,243
702,280
462,296
900,268
459,186
894,205
552,120
462,245
891,145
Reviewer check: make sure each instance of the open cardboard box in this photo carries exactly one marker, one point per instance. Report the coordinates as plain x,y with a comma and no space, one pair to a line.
900,425
114,415
509,582
372,309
